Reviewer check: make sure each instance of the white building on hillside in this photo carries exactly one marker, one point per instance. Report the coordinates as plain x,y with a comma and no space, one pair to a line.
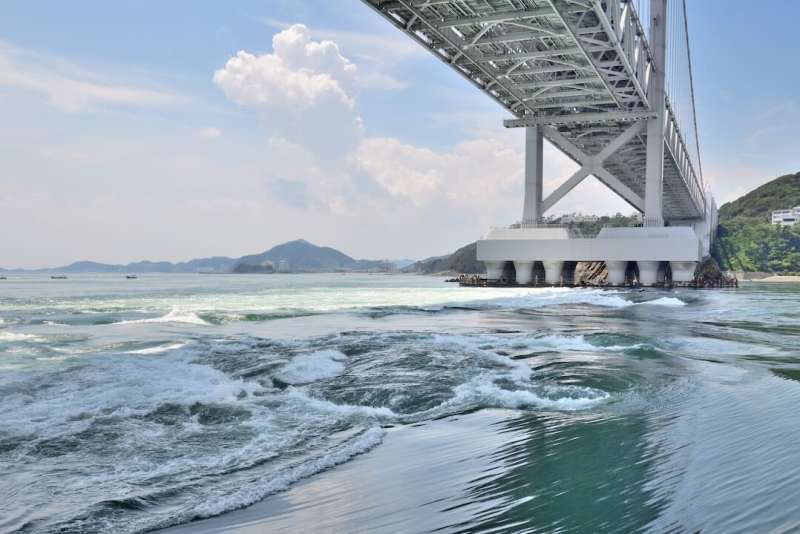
786,217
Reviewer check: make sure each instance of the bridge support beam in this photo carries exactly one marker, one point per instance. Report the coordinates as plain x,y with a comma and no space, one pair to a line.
654,172
593,165
532,209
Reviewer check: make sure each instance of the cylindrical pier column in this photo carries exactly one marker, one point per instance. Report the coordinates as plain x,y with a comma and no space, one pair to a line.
524,272
552,271
683,271
648,272
494,269
616,272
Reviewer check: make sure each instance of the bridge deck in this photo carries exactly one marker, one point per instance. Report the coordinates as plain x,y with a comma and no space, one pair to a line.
581,67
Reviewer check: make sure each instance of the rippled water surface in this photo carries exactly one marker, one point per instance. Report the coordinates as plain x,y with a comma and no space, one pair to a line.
395,403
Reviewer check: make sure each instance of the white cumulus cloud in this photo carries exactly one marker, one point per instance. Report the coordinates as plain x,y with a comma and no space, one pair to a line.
300,72
304,88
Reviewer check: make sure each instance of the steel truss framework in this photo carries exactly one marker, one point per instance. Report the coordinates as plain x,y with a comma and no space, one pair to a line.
580,69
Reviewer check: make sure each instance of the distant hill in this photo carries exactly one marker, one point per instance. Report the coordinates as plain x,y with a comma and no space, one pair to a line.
218,264
746,239
463,260
301,255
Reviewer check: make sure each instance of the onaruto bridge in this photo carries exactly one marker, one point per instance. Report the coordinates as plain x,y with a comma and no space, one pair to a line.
608,82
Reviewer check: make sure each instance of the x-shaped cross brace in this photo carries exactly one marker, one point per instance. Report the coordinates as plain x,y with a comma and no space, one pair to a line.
593,165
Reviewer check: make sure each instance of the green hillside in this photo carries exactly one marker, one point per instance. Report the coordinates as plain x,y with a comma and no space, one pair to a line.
747,241
780,193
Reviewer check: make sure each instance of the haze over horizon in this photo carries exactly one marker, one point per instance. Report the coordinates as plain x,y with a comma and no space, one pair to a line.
197,130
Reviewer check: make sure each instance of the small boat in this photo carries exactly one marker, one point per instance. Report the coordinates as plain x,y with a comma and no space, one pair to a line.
58,277
131,276
3,278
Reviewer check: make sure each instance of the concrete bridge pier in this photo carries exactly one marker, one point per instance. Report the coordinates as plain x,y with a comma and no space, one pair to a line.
648,272
524,271
494,269
552,272
683,271
616,272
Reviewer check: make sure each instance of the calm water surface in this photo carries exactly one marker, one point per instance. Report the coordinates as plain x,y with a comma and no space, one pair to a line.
396,403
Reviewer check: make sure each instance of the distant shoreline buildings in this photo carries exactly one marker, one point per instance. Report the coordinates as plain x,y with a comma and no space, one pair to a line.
786,217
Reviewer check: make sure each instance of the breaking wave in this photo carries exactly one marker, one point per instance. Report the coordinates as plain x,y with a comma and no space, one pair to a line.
485,392
158,349
671,302
512,299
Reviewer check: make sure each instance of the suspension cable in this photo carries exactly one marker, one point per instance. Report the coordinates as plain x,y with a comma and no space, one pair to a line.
691,92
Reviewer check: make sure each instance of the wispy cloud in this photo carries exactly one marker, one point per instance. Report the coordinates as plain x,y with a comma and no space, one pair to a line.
210,132
72,88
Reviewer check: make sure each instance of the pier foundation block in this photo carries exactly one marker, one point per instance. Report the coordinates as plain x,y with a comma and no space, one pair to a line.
552,271
648,272
650,247
524,272
683,271
494,269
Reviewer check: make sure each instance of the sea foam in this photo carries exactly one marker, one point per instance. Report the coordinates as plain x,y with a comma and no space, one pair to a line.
484,392
14,336
174,316
158,349
306,368
671,302
557,297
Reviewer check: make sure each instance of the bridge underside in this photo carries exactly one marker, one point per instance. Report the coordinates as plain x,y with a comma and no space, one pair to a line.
578,69
628,164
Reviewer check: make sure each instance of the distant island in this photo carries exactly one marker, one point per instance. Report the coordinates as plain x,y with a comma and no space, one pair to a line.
294,256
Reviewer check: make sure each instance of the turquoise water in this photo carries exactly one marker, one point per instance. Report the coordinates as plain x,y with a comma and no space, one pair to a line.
131,405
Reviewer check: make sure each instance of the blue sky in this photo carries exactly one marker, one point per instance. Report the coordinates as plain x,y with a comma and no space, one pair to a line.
132,130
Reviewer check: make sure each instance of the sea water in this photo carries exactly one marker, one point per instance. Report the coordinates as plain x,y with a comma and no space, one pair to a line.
131,405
